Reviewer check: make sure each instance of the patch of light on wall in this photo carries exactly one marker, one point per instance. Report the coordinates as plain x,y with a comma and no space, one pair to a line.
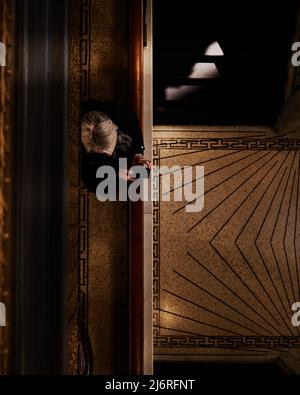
200,70
204,70
214,49
180,92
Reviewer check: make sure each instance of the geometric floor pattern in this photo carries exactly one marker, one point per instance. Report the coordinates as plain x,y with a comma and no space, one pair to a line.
225,278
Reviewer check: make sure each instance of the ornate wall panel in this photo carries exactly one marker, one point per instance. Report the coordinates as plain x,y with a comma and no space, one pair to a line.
6,37
225,278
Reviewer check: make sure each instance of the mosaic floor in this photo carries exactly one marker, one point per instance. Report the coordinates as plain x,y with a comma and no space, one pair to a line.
225,278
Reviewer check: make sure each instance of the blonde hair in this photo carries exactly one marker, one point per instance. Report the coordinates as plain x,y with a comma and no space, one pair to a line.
98,133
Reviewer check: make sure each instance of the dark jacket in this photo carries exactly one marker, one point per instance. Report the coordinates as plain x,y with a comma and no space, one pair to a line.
128,123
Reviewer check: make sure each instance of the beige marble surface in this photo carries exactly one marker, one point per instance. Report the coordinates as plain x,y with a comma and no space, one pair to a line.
225,278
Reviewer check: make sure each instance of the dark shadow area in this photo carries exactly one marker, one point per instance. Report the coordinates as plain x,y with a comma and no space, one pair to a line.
245,85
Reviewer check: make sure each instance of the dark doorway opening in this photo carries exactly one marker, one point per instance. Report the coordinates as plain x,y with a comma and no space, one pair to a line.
221,63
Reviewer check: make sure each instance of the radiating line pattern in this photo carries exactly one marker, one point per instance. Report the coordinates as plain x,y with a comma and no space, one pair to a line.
226,277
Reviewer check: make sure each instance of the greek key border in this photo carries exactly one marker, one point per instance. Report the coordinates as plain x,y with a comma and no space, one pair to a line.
228,143
228,341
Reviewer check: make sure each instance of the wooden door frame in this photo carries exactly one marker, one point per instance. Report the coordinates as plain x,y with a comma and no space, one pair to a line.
136,220
140,221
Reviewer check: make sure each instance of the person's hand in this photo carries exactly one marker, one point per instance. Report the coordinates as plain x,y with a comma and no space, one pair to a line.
139,159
